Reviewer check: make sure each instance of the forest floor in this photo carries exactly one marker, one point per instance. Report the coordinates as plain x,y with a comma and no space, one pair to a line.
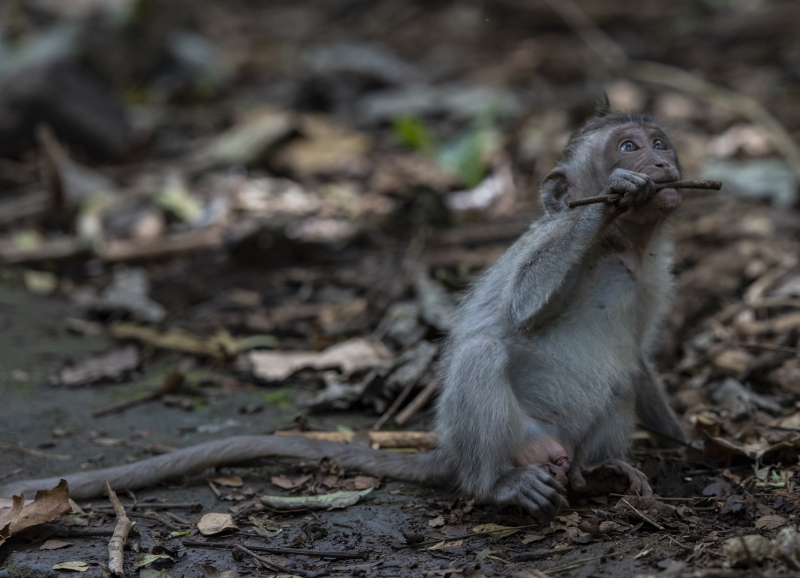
290,177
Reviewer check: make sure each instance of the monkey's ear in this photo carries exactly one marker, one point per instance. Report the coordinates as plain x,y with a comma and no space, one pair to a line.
602,106
554,191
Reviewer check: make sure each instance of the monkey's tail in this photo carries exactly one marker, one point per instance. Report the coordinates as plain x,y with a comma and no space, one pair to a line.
422,468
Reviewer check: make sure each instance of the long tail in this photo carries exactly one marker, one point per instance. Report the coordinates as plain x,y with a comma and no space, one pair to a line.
422,468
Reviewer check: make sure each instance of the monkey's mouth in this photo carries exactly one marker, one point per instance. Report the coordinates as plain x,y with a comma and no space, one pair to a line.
666,198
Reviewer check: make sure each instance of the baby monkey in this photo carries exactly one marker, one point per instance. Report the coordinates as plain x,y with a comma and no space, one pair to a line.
548,366
549,363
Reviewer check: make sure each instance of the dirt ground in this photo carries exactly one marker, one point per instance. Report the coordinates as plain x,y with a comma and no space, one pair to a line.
217,188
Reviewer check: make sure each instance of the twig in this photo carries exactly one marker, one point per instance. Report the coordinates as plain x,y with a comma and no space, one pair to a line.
395,405
9,474
293,551
569,565
659,498
22,449
539,554
276,567
461,537
117,542
768,347
642,516
172,384
713,185
416,404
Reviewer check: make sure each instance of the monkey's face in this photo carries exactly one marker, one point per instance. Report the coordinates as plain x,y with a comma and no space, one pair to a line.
646,149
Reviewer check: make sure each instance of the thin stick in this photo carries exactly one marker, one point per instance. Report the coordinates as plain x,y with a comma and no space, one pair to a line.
415,404
36,453
276,567
117,542
642,516
289,551
171,384
712,185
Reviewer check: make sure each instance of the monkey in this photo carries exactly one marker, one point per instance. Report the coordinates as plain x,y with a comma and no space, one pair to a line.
549,362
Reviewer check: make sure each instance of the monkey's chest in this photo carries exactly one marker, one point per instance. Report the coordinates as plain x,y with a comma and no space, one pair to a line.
588,358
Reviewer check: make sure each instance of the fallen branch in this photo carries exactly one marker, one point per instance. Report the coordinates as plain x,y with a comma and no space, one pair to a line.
384,439
117,542
713,185
276,567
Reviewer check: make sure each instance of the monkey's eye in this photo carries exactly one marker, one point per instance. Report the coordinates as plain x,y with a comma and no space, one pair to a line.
628,147
659,144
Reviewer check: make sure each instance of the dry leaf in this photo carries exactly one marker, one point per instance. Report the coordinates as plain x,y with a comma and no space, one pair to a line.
286,483
349,356
496,530
437,522
75,566
323,502
770,522
229,481
214,523
364,482
46,506
54,545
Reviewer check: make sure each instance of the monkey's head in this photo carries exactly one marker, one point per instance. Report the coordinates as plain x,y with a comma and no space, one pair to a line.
607,141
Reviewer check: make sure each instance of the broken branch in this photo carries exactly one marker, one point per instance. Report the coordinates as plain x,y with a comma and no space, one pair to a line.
117,542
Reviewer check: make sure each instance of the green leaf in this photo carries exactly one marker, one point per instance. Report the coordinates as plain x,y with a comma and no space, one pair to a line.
412,133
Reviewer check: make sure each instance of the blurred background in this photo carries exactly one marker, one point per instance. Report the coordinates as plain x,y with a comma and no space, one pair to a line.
198,200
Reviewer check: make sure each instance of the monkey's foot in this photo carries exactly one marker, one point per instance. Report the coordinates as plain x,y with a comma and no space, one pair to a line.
613,476
534,488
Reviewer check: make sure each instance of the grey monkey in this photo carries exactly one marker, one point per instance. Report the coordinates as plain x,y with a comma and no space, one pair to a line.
549,363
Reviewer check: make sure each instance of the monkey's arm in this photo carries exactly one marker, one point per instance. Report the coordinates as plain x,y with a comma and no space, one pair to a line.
653,409
425,468
549,262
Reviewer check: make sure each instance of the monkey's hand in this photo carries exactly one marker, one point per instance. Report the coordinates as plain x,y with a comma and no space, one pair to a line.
628,189
535,488
613,476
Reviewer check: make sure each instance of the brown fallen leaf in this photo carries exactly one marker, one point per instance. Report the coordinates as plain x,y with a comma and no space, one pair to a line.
364,482
230,481
46,506
770,522
54,545
215,523
284,482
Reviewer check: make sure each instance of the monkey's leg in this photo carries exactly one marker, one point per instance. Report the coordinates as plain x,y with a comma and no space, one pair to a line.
481,429
653,408
597,468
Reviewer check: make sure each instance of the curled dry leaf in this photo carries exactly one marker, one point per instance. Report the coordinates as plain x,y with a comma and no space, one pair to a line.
214,523
46,506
